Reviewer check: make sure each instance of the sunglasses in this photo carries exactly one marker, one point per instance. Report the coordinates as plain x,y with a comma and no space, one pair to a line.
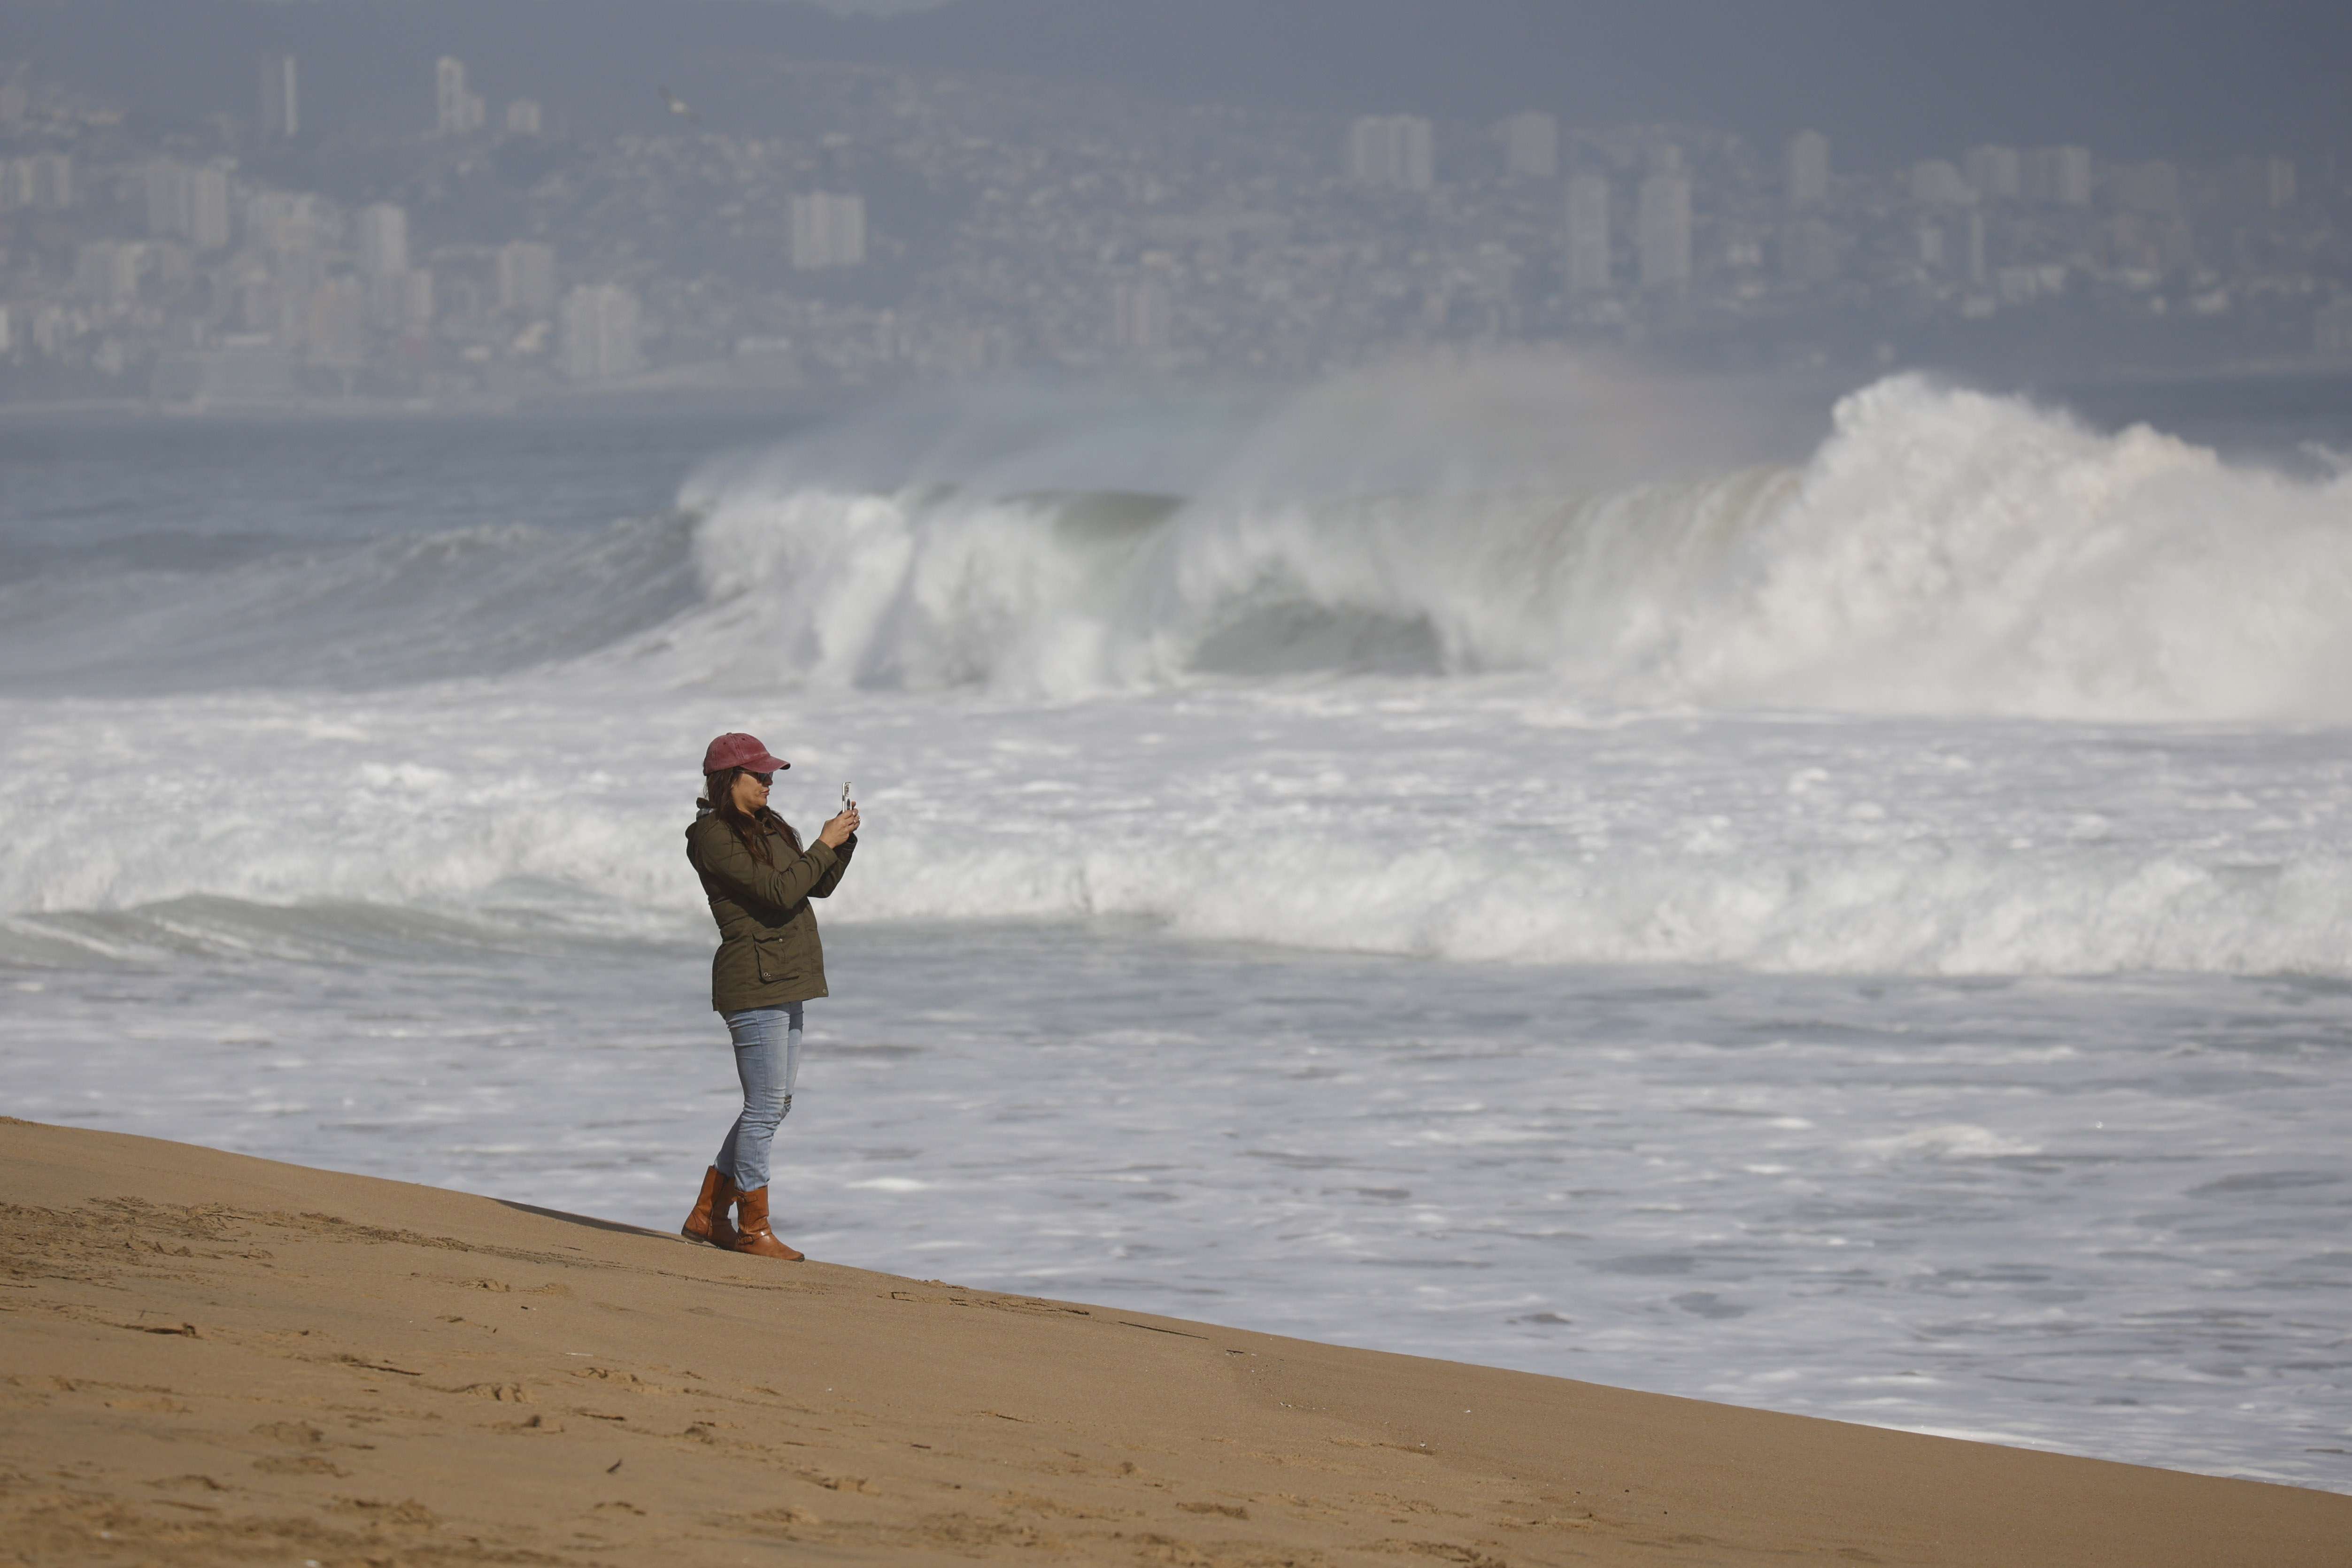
765,778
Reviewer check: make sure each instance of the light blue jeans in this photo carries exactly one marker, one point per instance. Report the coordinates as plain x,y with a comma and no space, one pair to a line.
767,1059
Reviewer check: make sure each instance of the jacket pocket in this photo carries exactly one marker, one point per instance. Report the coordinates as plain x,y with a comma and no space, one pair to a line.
776,959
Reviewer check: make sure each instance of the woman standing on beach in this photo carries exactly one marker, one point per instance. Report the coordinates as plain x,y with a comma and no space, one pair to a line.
759,879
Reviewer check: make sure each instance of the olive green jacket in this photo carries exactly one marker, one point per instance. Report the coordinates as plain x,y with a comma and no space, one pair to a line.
768,954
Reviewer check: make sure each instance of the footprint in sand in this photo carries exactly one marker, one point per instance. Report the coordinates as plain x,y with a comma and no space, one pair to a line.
293,1434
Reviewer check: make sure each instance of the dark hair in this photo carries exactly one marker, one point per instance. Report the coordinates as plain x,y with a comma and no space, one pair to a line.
718,799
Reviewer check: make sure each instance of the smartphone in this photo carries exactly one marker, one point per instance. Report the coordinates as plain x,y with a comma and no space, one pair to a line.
844,794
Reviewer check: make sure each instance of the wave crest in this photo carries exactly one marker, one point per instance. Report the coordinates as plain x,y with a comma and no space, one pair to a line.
1943,551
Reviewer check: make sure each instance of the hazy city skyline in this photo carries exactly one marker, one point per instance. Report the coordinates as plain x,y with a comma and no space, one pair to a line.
491,232
2193,80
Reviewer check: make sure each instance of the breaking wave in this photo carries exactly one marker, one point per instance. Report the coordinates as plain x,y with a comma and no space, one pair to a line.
1942,553
1553,766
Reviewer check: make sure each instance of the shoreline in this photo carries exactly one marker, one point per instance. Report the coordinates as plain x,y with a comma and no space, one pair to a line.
215,1358
653,397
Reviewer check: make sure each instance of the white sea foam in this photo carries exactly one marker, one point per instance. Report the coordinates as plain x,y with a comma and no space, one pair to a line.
1954,1141
1460,819
1950,553
1944,551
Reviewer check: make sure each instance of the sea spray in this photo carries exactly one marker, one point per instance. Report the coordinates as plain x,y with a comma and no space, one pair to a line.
1951,552
1944,551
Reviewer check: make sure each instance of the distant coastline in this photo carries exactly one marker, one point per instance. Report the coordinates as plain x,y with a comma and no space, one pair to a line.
675,394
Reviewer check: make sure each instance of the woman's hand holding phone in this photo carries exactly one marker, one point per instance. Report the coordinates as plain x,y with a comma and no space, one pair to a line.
837,831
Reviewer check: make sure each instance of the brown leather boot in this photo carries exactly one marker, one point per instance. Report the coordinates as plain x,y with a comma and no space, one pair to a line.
708,1222
753,1236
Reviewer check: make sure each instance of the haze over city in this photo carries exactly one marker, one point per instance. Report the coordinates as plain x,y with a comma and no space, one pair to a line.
228,204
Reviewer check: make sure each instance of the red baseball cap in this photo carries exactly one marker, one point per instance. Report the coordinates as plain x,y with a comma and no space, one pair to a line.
736,749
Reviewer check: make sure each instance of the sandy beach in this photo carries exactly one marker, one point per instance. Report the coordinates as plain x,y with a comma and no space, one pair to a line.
209,1358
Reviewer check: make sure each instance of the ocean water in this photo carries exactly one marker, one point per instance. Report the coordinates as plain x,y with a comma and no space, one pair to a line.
1847,913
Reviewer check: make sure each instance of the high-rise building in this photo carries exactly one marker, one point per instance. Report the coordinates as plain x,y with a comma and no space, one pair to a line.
414,318
1996,174
53,179
600,332
449,95
2073,182
1366,153
523,116
281,100
188,201
1588,232
335,323
2058,174
1395,150
1142,317
383,235
42,180
1661,226
455,108
1929,237
527,279
2278,181
1807,169
1936,184
2265,183
209,207
1531,146
383,241
827,230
